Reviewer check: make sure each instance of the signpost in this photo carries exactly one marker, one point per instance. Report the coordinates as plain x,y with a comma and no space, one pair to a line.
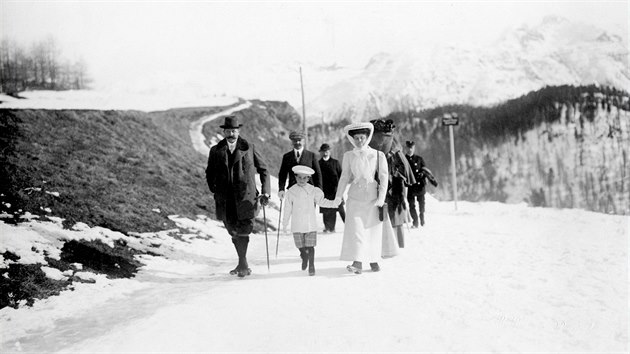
451,119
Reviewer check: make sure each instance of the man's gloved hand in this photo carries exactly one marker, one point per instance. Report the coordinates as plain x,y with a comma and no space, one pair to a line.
264,199
281,194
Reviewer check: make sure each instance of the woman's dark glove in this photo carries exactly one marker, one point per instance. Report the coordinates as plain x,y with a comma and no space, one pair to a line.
263,199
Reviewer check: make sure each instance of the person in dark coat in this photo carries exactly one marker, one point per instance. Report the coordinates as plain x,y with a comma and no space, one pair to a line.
331,171
297,156
418,189
231,172
400,174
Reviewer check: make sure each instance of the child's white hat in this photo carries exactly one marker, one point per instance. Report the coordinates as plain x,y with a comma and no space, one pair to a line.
303,170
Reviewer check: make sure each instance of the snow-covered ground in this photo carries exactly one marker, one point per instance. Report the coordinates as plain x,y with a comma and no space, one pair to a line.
488,277
111,99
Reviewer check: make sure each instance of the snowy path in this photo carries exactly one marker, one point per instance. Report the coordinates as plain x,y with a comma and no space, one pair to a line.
490,278
196,128
198,141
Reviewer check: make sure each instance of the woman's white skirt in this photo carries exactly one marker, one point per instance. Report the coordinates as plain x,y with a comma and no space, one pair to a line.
363,231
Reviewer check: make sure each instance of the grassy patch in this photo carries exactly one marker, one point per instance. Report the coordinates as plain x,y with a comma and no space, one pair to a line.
105,168
25,283
95,256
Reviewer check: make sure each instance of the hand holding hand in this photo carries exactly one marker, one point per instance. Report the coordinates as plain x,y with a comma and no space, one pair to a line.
338,201
281,195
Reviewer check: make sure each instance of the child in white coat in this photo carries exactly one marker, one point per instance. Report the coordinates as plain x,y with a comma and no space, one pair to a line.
300,202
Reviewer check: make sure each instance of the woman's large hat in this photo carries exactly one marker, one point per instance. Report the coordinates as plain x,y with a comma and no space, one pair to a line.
231,122
359,126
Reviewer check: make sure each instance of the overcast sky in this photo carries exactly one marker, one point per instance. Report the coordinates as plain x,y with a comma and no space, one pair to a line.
195,41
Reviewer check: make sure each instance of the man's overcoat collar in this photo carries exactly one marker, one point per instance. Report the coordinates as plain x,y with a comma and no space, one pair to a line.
241,148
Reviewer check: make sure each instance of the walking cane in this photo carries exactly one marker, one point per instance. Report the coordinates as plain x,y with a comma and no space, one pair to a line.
279,220
266,241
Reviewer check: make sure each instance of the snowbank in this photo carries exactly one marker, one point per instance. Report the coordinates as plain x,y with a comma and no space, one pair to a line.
489,277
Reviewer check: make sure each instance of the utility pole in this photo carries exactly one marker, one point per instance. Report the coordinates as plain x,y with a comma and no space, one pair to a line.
451,119
303,112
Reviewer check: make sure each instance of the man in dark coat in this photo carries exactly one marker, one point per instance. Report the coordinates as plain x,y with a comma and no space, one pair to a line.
418,189
297,156
231,172
331,171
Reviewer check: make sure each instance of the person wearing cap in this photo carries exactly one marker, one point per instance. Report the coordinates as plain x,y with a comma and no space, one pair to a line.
364,175
232,166
300,201
297,156
331,171
417,190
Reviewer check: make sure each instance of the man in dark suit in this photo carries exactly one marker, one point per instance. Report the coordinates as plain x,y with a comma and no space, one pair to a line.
231,172
298,156
418,189
331,171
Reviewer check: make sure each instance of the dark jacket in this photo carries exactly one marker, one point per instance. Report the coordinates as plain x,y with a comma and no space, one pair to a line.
308,158
420,172
331,171
400,178
239,181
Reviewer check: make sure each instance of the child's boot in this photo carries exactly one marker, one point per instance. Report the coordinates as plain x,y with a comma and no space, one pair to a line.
304,256
311,260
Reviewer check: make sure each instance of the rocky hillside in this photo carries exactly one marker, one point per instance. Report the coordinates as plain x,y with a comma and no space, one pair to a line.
560,146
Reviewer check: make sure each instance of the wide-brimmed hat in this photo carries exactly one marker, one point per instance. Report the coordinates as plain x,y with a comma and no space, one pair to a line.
383,126
358,126
295,135
324,147
231,122
302,170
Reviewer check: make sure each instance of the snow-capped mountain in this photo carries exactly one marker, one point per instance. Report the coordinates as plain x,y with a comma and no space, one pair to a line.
555,52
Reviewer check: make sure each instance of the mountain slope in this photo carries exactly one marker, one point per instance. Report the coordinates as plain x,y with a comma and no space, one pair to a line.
108,168
556,52
560,146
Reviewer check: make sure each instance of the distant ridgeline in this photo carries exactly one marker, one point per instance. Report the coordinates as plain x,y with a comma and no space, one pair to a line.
561,146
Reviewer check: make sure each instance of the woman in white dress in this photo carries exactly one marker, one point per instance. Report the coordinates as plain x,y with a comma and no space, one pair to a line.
363,230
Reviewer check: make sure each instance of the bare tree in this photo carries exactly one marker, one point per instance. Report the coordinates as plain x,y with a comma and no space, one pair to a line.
52,60
41,67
